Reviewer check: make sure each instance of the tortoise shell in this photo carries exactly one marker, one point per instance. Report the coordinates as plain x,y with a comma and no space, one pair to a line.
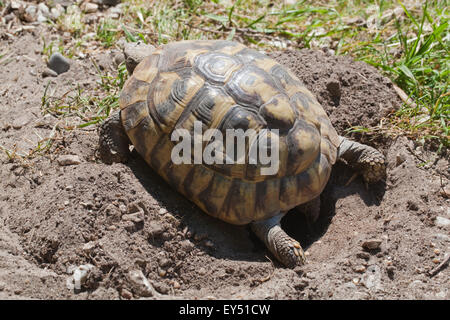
226,85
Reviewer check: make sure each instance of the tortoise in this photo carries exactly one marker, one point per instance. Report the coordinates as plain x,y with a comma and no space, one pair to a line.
226,85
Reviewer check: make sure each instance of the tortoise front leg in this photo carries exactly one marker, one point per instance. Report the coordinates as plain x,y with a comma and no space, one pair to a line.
287,250
114,143
365,159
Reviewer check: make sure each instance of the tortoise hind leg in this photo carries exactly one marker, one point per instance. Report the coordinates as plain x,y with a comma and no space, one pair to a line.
287,250
113,141
365,159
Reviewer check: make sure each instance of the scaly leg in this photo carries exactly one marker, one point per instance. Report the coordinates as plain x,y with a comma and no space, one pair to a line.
365,159
287,250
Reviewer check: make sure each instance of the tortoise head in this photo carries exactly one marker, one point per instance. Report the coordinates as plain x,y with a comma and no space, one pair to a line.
135,52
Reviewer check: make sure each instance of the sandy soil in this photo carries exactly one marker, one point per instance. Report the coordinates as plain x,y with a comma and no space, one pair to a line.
123,219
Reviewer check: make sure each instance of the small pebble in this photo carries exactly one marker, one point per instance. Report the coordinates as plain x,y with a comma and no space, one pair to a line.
359,269
162,273
140,284
446,191
110,2
134,217
49,73
372,244
176,285
363,255
87,247
88,7
164,262
68,159
162,288
442,222
187,246
399,159
79,276
124,293
58,63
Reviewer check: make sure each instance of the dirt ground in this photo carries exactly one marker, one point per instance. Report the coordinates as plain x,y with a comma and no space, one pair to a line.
54,218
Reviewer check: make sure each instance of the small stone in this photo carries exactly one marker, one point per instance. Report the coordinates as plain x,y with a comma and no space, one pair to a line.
89,246
390,271
154,230
58,63
89,7
56,11
202,271
187,246
140,284
363,255
162,273
162,211
442,222
437,252
15,5
372,277
87,205
162,288
134,217
176,285
124,293
49,73
446,191
372,244
359,269
31,13
436,261
399,159
137,206
164,262
68,159
80,274
110,2
116,10
123,208
42,7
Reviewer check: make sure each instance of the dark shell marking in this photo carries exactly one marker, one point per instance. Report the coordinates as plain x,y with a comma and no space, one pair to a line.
228,86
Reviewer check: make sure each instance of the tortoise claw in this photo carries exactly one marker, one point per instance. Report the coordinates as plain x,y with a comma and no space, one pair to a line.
287,250
372,165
